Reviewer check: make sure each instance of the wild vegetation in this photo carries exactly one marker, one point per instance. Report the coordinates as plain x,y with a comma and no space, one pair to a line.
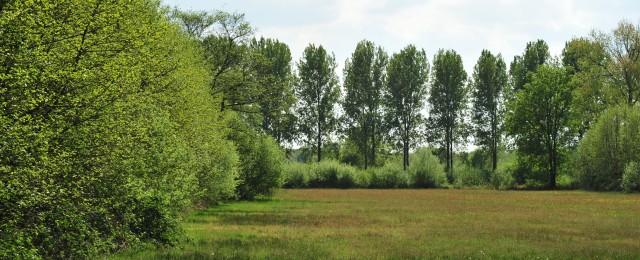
411,223
119,118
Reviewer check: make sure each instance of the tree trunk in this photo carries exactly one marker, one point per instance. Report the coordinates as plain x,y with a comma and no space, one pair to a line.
366,156
373,146
494,158
448,156
494,143
366,145
553,168
319,143
451,156
405,155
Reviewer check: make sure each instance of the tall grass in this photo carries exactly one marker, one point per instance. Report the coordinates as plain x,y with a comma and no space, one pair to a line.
420,224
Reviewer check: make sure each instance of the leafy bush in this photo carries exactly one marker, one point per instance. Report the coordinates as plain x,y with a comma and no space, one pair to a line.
103,149
262,168
466,176
296,175
212,157
605,150
502,179
631,177
425,170
389,176
326,174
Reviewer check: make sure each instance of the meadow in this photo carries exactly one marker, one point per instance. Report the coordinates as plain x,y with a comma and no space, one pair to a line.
437,223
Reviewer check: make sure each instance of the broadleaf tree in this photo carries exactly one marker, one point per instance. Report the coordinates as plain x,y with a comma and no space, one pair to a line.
447,100
540,119
623,53
489,82
318,92
535,54
585,59
363,81
194,23
404,96
231,62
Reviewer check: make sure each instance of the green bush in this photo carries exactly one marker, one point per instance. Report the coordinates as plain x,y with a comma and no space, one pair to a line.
631,177
502,179
466,176
262,168
389,176
296,175
325,175
425,170
613,142
332,174
93,156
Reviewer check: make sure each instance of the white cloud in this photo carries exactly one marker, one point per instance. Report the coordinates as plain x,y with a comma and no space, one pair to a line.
467,26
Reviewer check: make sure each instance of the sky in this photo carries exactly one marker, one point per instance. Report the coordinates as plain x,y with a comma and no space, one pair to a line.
466,26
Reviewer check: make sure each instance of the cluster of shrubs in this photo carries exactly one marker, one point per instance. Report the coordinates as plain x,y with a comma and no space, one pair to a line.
424,171
607,157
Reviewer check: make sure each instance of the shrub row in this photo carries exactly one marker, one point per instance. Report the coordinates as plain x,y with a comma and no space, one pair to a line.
424,172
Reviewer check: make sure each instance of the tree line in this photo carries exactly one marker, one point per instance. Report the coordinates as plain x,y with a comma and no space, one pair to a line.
118,118
540,107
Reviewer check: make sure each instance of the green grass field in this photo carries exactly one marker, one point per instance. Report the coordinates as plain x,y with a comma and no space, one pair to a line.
303,224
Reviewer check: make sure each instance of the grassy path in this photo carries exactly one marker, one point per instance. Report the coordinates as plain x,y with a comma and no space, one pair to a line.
303,224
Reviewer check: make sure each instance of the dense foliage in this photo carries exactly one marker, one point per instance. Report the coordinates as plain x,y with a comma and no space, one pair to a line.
108,130
606,149
489,82
540,120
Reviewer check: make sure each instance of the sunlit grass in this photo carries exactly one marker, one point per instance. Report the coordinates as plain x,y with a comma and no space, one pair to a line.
304,224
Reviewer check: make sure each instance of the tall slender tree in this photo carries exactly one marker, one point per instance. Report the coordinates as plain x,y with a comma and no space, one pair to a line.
276,78
407,76
447,100
363,81
489,82
317,90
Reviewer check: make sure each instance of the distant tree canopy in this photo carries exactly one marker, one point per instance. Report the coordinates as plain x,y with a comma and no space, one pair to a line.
535,54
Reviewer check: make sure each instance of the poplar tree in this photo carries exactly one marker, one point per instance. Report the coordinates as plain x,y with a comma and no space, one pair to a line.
489,82
318,92
407,75
447,100
363,81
